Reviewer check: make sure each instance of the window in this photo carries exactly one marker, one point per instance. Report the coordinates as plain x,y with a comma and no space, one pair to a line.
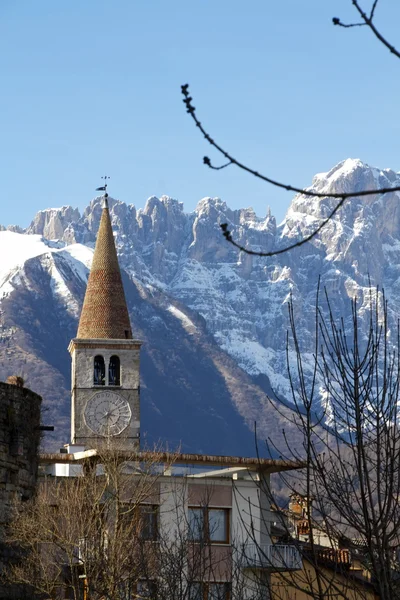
196,591
128,517
146,589
218,524
209,524
114,371
141,520
196,523
209,591
136,590
218,591
99,376
148,522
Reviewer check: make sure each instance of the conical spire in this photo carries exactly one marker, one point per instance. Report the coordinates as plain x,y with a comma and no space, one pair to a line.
104,313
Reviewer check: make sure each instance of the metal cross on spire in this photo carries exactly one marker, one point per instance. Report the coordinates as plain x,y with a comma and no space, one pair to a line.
103,188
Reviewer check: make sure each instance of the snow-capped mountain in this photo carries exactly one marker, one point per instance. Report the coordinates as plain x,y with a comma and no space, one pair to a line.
194,296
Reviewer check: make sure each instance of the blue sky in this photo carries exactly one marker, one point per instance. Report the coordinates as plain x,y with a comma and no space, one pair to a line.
92,87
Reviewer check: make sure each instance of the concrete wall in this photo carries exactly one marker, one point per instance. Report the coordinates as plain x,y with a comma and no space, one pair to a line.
251,515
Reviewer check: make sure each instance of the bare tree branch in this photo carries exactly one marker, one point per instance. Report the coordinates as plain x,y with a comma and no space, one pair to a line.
353,456
290,188
368,22
342,197
228,236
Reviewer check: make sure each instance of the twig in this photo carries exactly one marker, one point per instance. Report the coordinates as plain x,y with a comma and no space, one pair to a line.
368,21
228,236
342,197
337,21
371,16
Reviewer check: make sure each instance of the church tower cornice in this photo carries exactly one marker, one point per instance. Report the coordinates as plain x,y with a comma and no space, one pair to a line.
112,344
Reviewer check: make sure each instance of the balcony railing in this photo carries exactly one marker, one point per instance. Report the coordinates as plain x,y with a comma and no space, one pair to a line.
273,557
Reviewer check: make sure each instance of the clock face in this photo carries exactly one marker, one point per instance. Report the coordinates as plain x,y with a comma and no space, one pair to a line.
107,413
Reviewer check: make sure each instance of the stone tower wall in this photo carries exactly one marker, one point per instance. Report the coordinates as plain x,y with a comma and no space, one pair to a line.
19,444
83,389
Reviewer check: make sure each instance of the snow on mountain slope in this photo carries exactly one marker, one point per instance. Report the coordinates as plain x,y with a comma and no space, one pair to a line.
16,249
240,299
192,394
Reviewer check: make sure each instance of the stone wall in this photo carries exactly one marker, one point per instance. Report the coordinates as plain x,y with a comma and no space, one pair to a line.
19,443
83,354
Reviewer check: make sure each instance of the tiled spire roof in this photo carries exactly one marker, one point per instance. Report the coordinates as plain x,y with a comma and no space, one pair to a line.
104,313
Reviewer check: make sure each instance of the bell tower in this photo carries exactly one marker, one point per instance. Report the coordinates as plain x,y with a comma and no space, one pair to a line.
105,359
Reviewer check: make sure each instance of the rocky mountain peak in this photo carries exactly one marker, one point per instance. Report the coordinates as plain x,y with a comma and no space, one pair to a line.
181,262
52,222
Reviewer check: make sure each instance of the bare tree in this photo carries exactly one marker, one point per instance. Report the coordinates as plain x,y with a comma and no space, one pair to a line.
346,409
78,536
122,529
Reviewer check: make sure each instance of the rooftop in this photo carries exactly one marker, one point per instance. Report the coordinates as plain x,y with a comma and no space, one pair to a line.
265,465
104,313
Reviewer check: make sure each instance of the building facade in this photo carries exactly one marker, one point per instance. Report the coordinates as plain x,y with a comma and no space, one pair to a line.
207,520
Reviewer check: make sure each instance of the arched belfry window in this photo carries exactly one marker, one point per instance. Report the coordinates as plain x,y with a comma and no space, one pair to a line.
99,372
114,377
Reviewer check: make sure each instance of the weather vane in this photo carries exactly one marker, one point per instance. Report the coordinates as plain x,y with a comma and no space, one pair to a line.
103,188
